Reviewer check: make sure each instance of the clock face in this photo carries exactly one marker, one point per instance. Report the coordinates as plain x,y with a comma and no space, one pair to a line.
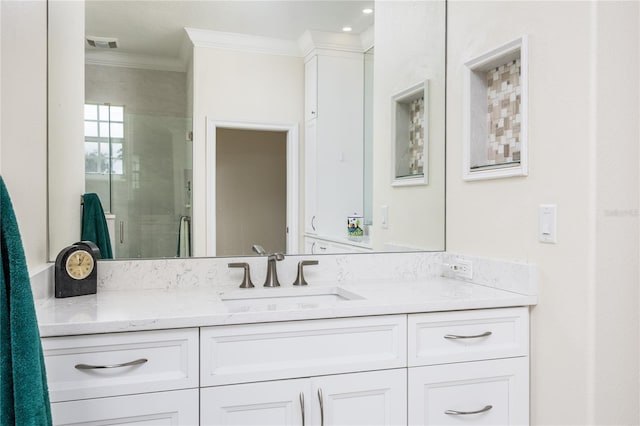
79,264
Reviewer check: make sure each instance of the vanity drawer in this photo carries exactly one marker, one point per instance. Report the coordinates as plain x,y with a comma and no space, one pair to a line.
250,353
446,337
89,366
159,408
494,392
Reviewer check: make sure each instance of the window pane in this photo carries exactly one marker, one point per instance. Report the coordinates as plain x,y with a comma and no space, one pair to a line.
104,129
117,113
104,112
116,150
104,149
91,112
117,130
91,157
116,167
90,128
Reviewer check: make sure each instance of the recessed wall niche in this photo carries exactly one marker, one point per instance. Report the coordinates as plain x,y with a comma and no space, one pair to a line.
495,116
410,135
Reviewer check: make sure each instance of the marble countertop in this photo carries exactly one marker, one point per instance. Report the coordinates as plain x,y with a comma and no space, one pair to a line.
131,310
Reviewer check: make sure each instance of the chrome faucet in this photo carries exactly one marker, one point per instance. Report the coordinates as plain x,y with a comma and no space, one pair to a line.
272,272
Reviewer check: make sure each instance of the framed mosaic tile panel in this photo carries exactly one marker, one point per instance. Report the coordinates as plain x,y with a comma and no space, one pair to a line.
495,115
409,134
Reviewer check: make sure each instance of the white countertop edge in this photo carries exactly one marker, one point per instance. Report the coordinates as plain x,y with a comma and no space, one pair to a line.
136,310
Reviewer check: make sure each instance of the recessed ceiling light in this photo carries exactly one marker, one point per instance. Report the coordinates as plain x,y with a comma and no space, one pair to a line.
347,29
367,11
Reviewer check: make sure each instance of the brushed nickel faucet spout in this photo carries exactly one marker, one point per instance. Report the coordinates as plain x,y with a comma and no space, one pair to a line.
272,271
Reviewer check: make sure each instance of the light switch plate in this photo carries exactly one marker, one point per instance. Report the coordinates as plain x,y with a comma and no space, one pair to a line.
547,223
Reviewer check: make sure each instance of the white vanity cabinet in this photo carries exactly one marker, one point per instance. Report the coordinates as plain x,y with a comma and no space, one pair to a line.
469,367
124,378
322,246
334,140
461,367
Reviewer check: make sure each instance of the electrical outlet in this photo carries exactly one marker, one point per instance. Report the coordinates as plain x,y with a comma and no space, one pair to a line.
461,269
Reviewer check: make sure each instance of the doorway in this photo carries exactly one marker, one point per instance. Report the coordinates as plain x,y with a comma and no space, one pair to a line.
251,191
252,188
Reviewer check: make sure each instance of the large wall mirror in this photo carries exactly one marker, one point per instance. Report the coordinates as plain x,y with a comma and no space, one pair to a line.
208,127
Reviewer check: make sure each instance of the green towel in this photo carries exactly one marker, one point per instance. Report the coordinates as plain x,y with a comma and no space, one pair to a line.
94,225
24,397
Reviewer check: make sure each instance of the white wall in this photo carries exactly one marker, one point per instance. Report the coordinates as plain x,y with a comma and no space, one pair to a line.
23,118
239,86
66,124
409,48
583,156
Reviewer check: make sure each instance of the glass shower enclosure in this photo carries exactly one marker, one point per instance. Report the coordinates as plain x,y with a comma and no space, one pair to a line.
140,167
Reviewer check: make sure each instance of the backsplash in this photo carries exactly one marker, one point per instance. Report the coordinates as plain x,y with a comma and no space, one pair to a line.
192,273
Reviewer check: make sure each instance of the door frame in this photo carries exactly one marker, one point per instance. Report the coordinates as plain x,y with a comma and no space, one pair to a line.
291,130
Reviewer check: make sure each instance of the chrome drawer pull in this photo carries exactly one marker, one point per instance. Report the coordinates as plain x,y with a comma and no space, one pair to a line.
466,413
477,336
302,406
126,364
321,400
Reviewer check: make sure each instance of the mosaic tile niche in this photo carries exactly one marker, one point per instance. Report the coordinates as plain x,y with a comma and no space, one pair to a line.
503,114
495,113
410,131
416,137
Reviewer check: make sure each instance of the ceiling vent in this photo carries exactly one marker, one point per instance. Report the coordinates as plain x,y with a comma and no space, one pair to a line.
102,42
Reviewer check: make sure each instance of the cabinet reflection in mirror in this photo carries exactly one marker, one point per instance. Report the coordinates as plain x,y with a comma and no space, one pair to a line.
159,76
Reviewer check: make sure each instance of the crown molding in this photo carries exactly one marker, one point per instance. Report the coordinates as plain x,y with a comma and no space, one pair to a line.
367,38
128,60
242,42
320,40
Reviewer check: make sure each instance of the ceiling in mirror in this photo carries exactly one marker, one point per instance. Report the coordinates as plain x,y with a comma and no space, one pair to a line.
335,123
155,29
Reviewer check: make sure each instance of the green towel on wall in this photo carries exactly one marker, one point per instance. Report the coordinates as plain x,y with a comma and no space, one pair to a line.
94,225
24,397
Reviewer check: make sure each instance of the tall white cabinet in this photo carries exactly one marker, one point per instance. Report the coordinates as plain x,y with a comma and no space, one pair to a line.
334,93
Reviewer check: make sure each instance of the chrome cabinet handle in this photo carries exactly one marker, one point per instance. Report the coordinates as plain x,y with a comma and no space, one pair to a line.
302,406
125,364
121,232
466,413
313,223
321,407
477,336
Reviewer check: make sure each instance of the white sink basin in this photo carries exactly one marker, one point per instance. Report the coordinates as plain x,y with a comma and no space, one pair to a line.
275,299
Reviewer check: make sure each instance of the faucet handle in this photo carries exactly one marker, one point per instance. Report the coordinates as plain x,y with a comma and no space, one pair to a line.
300,278
246,280
276,256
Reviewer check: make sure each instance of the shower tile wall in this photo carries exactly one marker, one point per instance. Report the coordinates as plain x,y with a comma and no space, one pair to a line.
416,137
503,113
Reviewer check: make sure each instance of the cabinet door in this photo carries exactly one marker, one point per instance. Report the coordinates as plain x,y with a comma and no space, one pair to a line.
492,392
153,409
371,398
310,178
311,89
281,403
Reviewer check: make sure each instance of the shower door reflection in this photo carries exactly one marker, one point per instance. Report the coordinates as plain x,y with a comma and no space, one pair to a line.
140,166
